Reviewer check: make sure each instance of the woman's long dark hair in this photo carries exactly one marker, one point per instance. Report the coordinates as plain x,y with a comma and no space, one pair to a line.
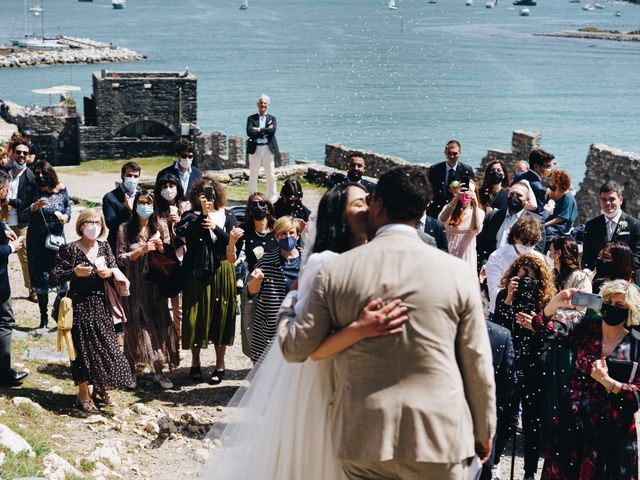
133,225
332,229
48,172
161,204
621,260
485,193
569,257
257,197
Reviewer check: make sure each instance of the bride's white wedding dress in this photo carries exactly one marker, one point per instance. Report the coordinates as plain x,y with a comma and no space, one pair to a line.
280,427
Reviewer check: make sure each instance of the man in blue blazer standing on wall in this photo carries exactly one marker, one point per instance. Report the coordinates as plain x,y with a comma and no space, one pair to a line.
262,147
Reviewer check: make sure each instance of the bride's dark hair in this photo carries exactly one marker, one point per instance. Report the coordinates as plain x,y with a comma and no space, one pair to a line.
331,226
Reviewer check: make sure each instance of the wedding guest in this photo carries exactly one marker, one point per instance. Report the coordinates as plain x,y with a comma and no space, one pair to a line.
209,291
22,182
183,167
262,147
150,337
270,281
565,255
290,201
495,187
118,203
87,263
526,286
521,166
463,219
565,211
595,429
356,167
49,210
434,228
9,243
613,225
171,204
540,164
615,261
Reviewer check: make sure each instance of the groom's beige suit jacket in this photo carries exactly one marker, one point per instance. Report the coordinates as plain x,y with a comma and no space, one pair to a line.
424,394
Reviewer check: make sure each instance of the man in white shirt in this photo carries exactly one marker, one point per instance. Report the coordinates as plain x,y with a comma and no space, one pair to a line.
262,147
183,167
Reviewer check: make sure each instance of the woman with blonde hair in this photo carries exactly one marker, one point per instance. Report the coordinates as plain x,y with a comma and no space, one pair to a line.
595,430
527,286
463,219
87,264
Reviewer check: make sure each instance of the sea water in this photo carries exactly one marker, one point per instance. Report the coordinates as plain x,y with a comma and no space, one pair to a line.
401,82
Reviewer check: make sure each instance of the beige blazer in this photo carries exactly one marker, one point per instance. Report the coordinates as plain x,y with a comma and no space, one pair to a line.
421,395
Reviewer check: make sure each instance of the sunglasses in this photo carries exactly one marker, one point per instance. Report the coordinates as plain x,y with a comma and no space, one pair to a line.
22,153
188,155
259,203
528,243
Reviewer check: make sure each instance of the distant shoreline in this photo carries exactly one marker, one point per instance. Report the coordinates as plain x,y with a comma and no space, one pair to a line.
619,37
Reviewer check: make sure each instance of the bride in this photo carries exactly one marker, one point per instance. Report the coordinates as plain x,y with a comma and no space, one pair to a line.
279,428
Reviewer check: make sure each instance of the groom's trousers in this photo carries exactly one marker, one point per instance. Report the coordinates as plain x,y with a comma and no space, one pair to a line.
403,470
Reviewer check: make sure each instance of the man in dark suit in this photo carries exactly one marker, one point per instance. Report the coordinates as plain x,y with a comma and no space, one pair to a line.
355,170
9,243
505,375
540,164
498,223
613,225
118,203
262,147
182,167
443,174
21,183
435,229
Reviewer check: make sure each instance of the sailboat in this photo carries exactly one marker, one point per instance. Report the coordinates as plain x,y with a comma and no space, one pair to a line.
469,3
244,5
118,4
392,5
31,40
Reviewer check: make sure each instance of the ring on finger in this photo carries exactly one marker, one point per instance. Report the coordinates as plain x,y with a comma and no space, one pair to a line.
387,319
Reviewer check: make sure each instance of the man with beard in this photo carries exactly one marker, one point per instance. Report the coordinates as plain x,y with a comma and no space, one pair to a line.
9,244
498,223
355,170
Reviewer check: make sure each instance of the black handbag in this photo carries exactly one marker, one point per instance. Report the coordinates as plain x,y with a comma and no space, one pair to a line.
165,271
52,242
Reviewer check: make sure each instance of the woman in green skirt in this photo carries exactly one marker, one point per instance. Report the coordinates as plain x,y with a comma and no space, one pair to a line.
209,290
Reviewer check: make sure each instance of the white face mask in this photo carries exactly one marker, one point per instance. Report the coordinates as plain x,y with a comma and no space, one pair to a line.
169,193
92,231
186,162
131,183
522,249
549,260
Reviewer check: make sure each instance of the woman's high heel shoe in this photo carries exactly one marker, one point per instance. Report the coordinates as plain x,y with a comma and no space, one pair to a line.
86,406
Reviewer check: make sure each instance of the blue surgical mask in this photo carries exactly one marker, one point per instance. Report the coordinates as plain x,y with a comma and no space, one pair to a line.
288,243
19,166
144,211
131,183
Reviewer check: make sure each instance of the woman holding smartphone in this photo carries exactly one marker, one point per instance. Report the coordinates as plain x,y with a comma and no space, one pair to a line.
209,290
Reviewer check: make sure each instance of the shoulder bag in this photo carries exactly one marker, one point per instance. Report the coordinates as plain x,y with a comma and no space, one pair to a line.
52,242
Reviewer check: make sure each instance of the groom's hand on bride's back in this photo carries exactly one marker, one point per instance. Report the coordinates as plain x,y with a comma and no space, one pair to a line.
380,318
483,449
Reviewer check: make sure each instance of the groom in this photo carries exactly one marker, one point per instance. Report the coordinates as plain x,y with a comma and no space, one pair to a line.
420,403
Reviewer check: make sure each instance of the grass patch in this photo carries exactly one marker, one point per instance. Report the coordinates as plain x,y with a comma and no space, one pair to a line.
87,465
597,30
19,465
150,165
81,202
239,193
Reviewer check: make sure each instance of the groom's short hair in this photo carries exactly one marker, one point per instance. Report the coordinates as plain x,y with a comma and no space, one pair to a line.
404,191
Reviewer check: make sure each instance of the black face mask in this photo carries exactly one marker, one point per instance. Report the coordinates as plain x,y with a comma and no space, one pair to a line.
604,268
496,177
515,204
354,176
42,181
613,315
258,212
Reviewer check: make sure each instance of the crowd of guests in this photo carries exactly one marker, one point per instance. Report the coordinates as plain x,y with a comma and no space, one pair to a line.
182,266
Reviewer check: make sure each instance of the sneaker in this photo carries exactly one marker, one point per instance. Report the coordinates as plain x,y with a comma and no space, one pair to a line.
134,383
495,472
163,381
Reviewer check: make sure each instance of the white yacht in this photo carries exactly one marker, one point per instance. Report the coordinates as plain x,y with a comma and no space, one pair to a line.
118,4
244,5
469,3
524,12
392,5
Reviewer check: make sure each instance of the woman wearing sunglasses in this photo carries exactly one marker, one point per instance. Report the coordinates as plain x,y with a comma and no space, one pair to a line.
565,211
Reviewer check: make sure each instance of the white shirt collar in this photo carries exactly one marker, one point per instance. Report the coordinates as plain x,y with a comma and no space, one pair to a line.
395,226
615,219
449,167
516,215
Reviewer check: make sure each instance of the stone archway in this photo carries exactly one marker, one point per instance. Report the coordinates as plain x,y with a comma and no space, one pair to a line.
145,128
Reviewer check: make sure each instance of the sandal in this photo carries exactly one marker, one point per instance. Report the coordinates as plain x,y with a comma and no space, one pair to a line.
195,373
104,396
217,377
87,406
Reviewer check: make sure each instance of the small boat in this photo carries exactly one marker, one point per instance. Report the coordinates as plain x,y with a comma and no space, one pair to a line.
432,1
118,4
85,0
490,4
524,12
618,13
527,3
469,3
244,5
392,5
598,6
588,7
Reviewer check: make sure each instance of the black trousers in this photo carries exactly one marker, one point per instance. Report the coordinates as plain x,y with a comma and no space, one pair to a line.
7,322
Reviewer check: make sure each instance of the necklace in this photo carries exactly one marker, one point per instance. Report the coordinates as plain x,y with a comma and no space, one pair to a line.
608,346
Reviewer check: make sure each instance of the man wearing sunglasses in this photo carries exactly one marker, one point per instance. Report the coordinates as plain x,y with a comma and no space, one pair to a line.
21,184
183,166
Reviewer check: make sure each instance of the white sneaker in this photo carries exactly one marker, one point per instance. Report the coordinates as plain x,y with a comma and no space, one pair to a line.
163,381
134,384
495,472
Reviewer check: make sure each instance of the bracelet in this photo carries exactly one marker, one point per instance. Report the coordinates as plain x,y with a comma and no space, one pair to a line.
613,386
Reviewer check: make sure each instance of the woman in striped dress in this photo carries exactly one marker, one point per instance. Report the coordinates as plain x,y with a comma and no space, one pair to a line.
270,281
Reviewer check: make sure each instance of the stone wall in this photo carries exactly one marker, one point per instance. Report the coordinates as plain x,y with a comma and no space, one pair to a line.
606,163
337,156
521,145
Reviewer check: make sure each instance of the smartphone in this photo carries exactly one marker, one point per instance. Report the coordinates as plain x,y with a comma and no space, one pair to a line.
589,300
208,193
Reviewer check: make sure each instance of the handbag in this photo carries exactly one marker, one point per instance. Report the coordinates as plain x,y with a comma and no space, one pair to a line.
165,271
113,290
52,242
65,323
164,263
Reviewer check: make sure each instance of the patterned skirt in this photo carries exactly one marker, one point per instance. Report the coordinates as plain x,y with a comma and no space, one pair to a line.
209,309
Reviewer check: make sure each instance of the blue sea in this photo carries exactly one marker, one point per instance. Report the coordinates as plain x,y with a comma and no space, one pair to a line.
402,82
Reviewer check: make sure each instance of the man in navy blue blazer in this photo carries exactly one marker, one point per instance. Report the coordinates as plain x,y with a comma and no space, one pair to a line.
434,228
183,167
118,203
540,164
262,147
9,244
